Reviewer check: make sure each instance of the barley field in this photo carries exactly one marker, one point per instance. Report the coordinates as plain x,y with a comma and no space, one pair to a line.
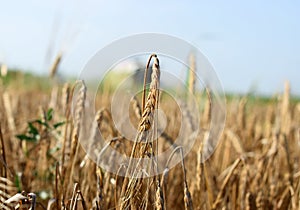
43,165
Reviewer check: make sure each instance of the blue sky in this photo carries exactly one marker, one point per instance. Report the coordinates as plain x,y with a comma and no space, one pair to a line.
252,44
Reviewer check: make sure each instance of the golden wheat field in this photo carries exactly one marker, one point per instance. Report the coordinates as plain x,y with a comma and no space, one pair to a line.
43,165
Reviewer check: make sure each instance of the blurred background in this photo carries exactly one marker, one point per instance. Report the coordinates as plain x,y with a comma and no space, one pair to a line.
253,45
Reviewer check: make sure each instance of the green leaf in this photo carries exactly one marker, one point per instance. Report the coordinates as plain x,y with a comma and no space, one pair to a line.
42,123
56,125
18,183
49,114
32,130
26,138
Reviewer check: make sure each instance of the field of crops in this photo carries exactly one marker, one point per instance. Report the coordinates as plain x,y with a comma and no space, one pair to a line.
43,165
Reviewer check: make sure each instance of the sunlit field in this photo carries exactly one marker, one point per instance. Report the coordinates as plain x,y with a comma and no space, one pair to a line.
44,166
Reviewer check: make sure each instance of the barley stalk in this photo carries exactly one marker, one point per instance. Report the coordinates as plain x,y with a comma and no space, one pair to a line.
148,108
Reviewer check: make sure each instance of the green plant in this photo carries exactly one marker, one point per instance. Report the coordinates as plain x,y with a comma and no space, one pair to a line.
33,134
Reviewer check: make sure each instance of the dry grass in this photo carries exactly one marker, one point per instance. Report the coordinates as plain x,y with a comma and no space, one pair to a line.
256,164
